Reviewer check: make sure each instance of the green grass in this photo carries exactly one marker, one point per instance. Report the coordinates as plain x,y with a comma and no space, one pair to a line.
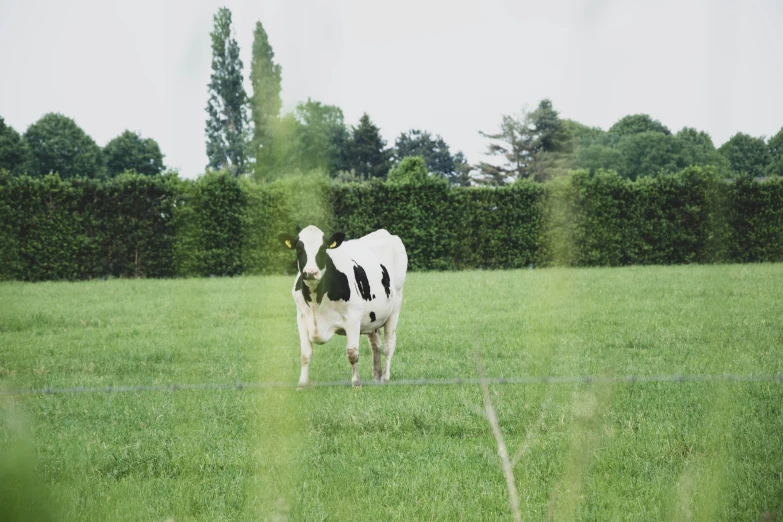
644,451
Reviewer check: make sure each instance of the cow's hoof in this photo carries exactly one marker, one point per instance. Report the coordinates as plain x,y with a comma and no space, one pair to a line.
356,385
302,386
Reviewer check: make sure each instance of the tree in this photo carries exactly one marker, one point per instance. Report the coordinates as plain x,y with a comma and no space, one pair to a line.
698,149
434,151
746,155
582,135
648,153
129,151
461,176
366,150
282,159
521,140
227,122
411,170
596,157
552,134
775,147
551,165
637,123
265,77
15,154
514,143
552,143
57,144
320,137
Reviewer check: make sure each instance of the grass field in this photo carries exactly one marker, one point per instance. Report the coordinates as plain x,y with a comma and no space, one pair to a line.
642,451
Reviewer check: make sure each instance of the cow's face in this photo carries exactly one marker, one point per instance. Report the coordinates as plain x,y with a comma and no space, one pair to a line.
310,250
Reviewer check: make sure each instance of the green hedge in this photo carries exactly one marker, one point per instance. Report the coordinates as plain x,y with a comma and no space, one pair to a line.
499,228
670,219
755,221
140,226
83,228
445,228
421,215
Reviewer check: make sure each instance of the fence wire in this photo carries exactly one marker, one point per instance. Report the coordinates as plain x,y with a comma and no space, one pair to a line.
455,381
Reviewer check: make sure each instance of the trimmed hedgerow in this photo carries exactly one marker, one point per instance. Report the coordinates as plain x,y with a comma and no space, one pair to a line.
83,228
755,220
163,226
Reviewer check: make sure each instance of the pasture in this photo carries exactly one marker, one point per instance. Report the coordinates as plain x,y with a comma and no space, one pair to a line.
641,451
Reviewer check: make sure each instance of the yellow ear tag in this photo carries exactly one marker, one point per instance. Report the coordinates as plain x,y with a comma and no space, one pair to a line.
334,244
288,243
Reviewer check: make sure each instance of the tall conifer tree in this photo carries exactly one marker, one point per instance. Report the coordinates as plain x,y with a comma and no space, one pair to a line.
366,152
265,76
227,122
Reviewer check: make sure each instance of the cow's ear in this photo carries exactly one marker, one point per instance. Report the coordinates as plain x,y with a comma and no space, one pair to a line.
287,241
336,240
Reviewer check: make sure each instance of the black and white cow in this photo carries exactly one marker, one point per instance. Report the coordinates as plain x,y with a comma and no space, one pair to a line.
348,288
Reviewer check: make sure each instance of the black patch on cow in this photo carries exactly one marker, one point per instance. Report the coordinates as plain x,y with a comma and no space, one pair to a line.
333,284
385,281
301,256
320,257
303,288
362,284
372,317
373,296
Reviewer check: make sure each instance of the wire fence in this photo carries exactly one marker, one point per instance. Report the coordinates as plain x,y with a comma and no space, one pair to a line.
455,381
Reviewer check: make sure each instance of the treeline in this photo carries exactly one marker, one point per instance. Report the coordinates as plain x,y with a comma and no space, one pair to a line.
535,145
56,144
540,145
162,226
249,137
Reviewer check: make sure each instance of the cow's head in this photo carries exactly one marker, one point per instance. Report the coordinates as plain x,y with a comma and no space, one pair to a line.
311,250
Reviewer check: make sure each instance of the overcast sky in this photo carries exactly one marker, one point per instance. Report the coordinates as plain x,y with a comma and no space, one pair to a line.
449,67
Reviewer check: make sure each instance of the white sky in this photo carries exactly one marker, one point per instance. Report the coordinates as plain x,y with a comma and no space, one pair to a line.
449,67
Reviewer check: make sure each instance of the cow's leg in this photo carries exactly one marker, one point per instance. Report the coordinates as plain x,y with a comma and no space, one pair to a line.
390,342
352,350
375,344
307,353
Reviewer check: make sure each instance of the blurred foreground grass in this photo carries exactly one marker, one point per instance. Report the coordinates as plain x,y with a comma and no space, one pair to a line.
644,451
